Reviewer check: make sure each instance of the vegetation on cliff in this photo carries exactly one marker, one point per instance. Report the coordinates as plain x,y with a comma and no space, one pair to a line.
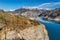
10,20
13,27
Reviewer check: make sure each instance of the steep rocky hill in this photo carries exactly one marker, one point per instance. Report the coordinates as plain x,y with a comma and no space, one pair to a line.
51,15
13,27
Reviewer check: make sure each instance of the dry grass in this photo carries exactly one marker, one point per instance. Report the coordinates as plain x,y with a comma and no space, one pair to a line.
11,21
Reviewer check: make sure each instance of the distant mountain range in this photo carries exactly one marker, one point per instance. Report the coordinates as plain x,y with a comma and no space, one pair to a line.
22,10
50,15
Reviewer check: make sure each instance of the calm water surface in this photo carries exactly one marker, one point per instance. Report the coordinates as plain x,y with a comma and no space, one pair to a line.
52,28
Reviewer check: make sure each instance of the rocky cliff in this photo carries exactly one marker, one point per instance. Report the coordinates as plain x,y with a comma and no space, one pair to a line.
14,27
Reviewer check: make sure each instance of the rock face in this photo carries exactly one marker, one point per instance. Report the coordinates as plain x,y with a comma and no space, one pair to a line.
14,27
31,33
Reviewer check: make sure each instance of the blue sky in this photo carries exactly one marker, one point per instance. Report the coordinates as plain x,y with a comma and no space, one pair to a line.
15,4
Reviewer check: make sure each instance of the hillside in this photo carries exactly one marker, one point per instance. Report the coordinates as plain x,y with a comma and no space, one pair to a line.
51,15
13,27
13,20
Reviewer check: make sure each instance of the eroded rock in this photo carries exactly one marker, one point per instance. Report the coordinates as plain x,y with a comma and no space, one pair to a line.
31,33
14,27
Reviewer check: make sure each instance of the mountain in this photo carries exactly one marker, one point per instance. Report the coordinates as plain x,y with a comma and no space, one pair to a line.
1,10
51,15
18,11
14,27
28,12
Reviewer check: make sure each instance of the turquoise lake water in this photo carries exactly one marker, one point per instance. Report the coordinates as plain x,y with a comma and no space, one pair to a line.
52,28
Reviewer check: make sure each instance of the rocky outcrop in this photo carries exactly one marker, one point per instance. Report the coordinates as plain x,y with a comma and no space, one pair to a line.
14,27
31,33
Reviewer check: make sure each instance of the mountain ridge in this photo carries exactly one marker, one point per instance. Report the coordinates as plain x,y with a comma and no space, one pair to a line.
49,15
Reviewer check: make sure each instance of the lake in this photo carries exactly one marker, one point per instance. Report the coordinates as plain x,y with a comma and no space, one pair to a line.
52,28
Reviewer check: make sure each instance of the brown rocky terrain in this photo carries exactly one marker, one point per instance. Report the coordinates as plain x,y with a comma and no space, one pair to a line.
13,27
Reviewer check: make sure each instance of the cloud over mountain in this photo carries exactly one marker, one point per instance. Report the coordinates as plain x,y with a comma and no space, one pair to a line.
49,4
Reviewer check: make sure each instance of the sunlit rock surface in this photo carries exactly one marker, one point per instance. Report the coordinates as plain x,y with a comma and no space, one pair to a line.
14,27
31,33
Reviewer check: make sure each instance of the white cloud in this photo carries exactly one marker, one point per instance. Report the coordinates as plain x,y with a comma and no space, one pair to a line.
33,7
49,4
46,6
29,7
11,10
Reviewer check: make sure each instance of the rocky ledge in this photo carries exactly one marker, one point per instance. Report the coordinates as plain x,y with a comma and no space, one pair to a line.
14,27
